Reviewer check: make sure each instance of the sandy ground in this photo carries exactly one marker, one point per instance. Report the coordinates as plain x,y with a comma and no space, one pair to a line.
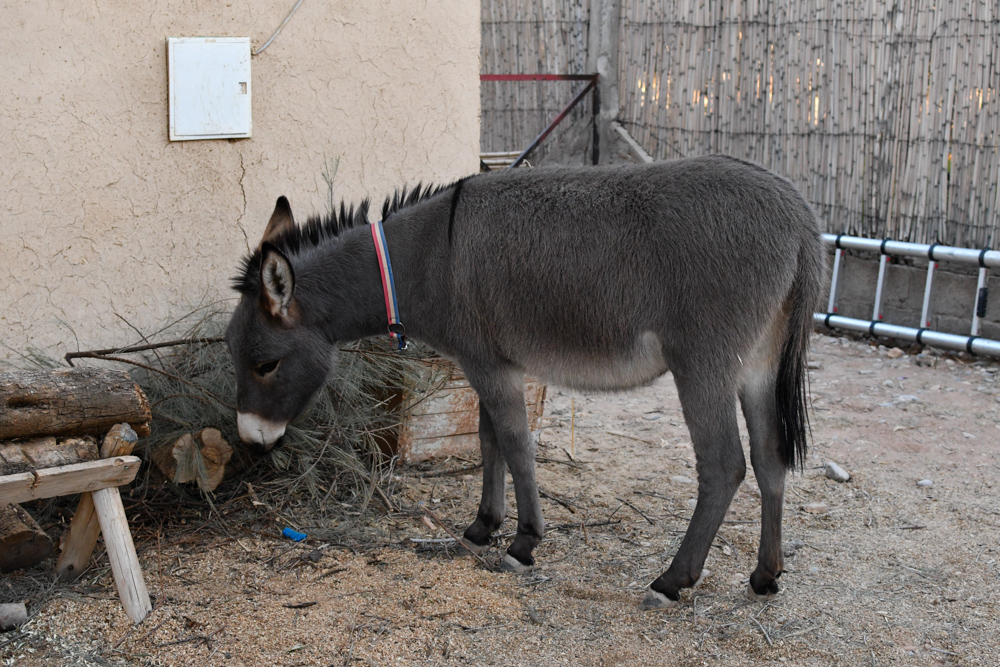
879,570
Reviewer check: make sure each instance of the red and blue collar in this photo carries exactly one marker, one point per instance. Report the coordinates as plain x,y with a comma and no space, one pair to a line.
396,330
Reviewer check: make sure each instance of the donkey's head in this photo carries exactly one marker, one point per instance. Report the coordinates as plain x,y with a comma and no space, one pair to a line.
280,362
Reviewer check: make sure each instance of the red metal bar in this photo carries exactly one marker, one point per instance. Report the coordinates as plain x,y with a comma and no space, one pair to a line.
537,77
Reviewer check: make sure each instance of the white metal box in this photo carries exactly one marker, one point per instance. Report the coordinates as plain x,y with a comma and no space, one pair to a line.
209,87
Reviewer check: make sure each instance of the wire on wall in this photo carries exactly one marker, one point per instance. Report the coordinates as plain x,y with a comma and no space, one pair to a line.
271,39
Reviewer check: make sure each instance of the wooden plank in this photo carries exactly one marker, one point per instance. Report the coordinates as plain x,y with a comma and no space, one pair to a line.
66,480
446,423
85,528
462,444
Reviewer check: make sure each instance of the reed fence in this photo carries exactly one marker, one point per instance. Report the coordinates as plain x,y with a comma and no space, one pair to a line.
531,37
885,115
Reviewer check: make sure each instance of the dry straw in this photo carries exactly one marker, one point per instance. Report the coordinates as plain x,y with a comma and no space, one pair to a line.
338,450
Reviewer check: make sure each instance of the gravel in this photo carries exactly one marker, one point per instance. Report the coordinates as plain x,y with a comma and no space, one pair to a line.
888,574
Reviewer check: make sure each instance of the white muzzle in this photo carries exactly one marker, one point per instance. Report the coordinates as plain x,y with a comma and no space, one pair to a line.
257,430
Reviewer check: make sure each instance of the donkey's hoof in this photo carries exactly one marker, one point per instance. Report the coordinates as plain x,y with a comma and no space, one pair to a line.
657,601
478,549
772,592
511,564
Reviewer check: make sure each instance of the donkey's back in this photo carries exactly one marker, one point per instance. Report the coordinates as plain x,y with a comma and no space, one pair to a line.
605,278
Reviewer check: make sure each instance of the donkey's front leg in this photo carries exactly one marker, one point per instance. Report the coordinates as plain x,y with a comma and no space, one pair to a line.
501,397
492,506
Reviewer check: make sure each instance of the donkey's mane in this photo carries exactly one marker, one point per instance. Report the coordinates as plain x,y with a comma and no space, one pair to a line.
319,229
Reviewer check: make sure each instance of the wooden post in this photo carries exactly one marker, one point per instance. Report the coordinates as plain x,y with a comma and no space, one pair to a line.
121,553
602,58
84,528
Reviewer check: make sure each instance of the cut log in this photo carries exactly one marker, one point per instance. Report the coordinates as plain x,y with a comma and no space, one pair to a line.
84,528
77,401
27,455
67,480
22,541
200,458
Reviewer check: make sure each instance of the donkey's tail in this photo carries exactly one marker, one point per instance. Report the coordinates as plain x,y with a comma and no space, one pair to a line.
791,385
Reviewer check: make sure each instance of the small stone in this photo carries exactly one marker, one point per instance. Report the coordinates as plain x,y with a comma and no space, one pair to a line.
792,547
907,398
814,365
12,615
692,503
652,416
894,353
835,472
737,579
681,479
815,508
968,435
925,482
535,616
888,383
813,570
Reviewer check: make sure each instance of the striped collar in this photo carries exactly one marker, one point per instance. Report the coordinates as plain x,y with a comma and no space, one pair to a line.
396,330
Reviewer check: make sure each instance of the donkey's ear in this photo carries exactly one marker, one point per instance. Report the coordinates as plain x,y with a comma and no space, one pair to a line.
281,221
278,280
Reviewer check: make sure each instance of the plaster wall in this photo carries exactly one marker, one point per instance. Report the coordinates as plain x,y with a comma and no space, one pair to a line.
105,224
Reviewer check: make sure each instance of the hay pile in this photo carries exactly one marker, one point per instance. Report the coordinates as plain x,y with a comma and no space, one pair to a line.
341,448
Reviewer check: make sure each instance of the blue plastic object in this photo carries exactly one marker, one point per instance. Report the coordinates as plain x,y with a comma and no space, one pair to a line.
293,534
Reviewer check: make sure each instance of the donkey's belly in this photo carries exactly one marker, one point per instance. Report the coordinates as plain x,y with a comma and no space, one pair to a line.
584,369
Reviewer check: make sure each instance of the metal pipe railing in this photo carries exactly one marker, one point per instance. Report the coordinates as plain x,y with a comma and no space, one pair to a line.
973,343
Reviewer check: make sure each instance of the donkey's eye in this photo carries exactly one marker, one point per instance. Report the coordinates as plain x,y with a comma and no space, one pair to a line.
266,368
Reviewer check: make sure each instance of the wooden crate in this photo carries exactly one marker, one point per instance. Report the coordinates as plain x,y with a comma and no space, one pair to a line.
445,421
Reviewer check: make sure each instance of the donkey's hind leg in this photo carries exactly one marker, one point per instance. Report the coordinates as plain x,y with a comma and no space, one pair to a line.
758,398
710,413
501,397
492,506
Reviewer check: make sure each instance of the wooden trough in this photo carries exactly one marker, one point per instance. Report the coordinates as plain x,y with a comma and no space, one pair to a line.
445,420
47,449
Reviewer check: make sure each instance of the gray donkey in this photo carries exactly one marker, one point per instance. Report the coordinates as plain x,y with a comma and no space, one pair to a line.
590,278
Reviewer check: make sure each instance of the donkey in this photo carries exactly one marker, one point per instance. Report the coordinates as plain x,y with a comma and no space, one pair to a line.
594,278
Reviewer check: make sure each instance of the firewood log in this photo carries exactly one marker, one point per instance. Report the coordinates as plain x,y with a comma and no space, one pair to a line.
22,541
75,401
195,457
34,453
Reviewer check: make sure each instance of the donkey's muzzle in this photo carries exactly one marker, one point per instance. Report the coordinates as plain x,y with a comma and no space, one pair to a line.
259,432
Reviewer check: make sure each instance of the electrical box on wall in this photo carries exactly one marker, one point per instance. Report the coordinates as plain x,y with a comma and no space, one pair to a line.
209,87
